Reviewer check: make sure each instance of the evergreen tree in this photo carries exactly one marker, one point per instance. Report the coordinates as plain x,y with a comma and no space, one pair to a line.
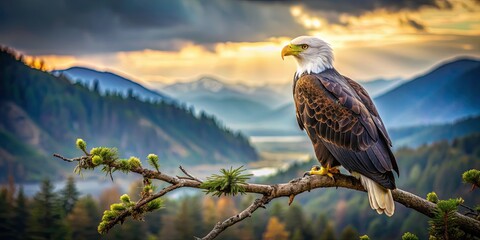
41,66
295,219
96,86
5,215
328,233
83,219
134,230
153,221
11,189
320,224
184,224
46,220
194,205
21,215
69,195
349,233
297,235
277,210
168,230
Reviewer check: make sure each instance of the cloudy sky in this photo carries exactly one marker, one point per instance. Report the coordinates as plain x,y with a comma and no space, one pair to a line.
158,42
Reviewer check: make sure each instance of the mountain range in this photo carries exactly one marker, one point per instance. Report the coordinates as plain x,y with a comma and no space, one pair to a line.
110,82
441,95
250,108
236,105
211,88
275,95
44,114
444,94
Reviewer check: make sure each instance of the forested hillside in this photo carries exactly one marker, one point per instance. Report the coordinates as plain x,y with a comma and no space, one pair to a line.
43,114
418,135
319,214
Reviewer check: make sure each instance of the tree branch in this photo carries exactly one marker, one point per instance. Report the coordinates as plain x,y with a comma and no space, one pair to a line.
221,226
189,176
121,218
293,188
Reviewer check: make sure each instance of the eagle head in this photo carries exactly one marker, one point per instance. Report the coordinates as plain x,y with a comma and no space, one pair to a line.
313,55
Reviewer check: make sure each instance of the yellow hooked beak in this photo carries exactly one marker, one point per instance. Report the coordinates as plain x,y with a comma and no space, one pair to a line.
291,50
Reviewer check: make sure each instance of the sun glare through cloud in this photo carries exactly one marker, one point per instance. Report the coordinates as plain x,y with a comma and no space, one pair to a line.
378,34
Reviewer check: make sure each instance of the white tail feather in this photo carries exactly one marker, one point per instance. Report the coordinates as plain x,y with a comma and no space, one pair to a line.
379,197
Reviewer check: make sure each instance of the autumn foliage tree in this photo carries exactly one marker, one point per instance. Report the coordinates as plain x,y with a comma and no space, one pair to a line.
276,230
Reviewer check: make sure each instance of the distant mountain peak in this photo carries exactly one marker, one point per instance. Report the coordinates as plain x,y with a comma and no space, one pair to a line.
208,79
209,83
444,93
461,59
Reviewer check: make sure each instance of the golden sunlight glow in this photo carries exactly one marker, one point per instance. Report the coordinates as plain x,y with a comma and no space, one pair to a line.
296,11
377,27
306,19
50,61
405,43
246,62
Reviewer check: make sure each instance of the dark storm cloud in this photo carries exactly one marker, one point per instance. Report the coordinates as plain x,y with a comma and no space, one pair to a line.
41,15
90,26
412,23
357,7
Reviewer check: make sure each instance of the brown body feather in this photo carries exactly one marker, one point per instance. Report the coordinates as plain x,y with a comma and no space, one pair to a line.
344,126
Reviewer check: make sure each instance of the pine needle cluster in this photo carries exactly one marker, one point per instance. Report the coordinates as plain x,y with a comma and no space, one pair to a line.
472,176
409,236
432,197
229,182
444,225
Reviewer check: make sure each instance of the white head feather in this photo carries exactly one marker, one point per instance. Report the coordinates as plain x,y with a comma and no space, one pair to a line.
316,58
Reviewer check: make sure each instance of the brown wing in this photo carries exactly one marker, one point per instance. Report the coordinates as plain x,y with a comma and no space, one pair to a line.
328,107
368,103
334,113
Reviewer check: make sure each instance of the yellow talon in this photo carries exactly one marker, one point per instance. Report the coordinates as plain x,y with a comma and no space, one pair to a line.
318,170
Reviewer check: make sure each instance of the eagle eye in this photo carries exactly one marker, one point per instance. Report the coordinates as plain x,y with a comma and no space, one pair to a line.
304,46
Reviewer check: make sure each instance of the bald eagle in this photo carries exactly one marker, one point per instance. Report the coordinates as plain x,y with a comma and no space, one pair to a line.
342,122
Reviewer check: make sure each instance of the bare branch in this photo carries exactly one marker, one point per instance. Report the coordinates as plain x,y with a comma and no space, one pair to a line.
221,226
69,159
189,175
